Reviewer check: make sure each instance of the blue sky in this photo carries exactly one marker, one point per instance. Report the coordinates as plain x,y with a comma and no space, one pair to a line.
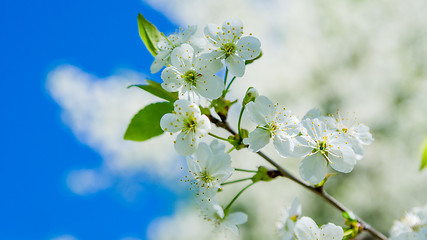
37,148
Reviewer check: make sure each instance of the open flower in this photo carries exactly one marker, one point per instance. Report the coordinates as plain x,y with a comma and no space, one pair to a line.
168,44
210,166
322,146
282,126
412,226
213,212
192,75
358,133
229,45
286,224
192,125
307,229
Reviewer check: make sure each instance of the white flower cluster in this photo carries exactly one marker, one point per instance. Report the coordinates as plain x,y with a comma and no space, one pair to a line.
411,227
192,70
320,140
292,225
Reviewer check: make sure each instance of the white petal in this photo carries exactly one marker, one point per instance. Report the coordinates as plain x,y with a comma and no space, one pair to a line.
208,63
261,111
236,65
172,80
233,28
203,126
187,33
343,159
237,218
203,155
257,139
301,146
283,145
331,232
357,148
312,113
313,168
182,56
210,86
307,229
213,33
217,147
160,61
184,108
365,137
185,144
295,209
171,123
248,47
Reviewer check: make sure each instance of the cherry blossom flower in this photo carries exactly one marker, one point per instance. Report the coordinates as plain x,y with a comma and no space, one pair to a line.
307,229
189,122
192,75
286,224
230,46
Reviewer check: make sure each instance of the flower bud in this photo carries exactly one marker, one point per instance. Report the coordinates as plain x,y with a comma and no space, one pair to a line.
250,96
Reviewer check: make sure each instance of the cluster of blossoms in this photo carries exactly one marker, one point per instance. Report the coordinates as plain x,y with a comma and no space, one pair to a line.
191,71
292,225
319,140
411,227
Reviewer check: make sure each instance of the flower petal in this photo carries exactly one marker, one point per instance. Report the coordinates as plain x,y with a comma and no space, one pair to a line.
248,47
232,28
182,56
236,65
203,155
172,80
342,159
331,232
185,143
213,33
261,111
160,61
283,145
170,123
313,168
237,218
307,229
210,86
257,139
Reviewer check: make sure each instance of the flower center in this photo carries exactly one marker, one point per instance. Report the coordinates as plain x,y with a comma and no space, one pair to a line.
190,124
344,130
191,77
206,177
229,49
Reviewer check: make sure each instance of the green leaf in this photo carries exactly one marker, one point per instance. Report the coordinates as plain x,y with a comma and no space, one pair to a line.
156,89
149,34
146,123
424,154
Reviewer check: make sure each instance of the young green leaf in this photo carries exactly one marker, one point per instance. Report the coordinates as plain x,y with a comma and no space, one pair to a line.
149,34
156,89
146,123
424,154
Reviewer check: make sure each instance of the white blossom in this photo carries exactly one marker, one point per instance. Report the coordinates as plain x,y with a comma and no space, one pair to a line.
209,166
229,45
192,75
168,44
189,122
286,224
412,226
213,212
307,229
282,126
321,146
358,133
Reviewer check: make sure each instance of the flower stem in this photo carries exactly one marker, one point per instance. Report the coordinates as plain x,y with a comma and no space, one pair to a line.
235,198
239,129
232,80
231,149
244,170
218,137
226,75
236,181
